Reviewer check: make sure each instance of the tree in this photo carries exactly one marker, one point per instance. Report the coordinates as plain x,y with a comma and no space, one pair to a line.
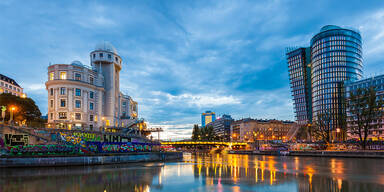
322,126
25,108
364,111
195,132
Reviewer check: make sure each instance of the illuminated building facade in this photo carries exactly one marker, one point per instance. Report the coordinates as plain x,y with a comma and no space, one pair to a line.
250,130
8,85
207,117
222,127
336,56
376,82
299,61
86,97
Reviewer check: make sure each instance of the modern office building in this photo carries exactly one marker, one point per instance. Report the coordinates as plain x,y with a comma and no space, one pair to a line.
299,68
251,130
8,85
86,97
207,117
378,83
222,127
336,56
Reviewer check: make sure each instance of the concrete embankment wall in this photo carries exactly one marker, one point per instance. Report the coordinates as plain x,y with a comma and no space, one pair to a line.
353,154
88,160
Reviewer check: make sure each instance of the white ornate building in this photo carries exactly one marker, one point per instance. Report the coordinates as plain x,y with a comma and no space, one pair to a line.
83,97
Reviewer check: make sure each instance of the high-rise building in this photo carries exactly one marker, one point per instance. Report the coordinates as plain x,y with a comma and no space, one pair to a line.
299,68
207,117
86,97
222,127
8,85
377,82
336,56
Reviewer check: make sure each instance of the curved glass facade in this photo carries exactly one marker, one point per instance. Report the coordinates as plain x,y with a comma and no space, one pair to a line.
336,57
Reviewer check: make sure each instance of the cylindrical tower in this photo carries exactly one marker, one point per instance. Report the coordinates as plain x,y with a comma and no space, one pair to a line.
336,57
107,62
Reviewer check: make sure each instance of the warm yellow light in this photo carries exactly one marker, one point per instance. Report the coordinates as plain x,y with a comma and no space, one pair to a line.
338,130
23,95
51,75
63,75
13,108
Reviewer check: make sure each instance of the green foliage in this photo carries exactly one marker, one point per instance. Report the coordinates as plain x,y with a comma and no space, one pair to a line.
25,108
203,134
195,132
365,109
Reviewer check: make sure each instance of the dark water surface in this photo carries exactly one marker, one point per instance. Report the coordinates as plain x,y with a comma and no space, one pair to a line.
205,172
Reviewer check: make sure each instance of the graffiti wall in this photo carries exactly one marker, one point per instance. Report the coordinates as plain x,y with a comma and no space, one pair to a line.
17,139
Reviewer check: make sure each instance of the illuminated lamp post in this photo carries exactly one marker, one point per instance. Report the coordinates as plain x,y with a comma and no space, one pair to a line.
337,134
103,120
11,117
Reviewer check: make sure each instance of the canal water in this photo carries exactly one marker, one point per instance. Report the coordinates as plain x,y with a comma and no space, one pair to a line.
205,172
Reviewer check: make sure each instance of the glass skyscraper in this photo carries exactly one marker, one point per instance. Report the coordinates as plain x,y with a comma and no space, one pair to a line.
336,57
207,117
317,74
300,79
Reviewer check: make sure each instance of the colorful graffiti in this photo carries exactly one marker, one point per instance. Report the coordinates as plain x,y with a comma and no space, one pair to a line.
43,149
14,140
118,147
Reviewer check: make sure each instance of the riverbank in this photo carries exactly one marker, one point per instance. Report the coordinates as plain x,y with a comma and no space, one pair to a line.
349,154
88,160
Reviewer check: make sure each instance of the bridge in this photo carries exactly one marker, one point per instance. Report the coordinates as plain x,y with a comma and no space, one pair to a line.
202,143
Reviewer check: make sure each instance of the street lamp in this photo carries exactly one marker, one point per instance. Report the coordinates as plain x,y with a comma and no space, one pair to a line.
337,133
12,110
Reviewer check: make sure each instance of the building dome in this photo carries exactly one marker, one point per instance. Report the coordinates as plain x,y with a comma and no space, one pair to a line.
105,46
77,63
329,27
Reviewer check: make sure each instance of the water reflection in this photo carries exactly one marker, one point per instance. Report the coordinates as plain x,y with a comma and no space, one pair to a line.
204,172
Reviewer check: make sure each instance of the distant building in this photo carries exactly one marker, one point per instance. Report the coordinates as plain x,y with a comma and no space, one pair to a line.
8,85
207,117
222,127
84,97
250,130
299,64
378,83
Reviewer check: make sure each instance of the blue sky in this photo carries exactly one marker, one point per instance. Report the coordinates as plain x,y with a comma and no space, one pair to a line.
182,57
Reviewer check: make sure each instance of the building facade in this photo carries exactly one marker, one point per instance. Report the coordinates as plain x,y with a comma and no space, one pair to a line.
376,82
299,68
207,117
84,97
8,85
222,127
251,130
336,56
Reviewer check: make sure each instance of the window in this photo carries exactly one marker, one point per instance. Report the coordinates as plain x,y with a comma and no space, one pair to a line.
91,94
63,75
6,85
91,80
77,76
116,59
107,123
109,56
78,92
101,54
62,91
78,116
18,90
2,83
78,104
124,104
91,106
51,75
10,86
94,55
51,103
90,117
62,102
51,116
62,115
51,91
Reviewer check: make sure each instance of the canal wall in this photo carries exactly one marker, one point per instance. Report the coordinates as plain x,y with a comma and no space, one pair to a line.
88,160
352,154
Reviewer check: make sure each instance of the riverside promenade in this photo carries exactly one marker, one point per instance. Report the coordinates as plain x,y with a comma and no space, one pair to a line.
317,153
89,159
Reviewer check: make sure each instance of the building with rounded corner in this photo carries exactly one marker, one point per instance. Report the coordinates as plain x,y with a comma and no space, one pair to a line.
336,57
89,97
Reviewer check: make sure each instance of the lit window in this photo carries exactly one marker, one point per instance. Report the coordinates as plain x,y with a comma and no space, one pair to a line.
51,75
107,123
77,76
78,104
78,92
62,91
78,116
62,115
63,75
